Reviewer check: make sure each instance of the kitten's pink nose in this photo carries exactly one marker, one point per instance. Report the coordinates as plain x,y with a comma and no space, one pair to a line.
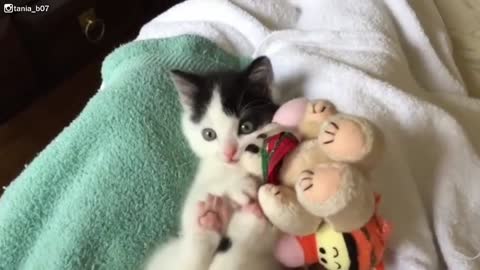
230,151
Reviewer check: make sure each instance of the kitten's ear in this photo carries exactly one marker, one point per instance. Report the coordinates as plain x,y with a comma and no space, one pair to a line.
187,86
260,71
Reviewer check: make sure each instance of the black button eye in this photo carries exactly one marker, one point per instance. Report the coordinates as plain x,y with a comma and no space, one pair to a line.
252,148
209,134
247,127
262,136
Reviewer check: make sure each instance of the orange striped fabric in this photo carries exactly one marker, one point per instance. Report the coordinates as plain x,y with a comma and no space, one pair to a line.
309,246
371,241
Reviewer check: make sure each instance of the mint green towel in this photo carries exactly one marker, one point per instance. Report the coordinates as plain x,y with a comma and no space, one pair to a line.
109,188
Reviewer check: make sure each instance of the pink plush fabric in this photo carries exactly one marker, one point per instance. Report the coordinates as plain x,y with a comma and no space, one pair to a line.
289,252
290,113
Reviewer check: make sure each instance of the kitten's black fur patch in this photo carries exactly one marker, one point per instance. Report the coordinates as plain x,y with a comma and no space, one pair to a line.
225,245
245,94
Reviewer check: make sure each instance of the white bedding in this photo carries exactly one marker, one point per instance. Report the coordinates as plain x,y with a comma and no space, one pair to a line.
462,20
391,62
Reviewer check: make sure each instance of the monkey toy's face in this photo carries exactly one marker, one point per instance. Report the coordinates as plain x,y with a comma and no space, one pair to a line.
251,158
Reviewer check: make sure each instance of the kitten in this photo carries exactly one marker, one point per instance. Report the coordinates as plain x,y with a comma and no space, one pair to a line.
221,112
238,239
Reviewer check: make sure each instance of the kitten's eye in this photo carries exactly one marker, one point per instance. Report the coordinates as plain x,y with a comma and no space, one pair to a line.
209,134
247,127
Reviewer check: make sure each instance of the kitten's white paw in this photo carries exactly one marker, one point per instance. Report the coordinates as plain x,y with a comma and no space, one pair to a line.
243,191
214,214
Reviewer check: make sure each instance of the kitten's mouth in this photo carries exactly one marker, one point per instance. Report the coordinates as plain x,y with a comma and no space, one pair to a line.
232,161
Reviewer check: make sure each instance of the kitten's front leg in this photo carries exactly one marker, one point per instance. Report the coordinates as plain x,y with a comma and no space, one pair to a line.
214,214
213,217
242,190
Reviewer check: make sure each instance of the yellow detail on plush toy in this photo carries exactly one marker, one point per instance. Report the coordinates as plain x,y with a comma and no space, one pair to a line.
332,248
362,249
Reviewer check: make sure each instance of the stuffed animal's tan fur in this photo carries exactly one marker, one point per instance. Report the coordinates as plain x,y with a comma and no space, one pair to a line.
326,178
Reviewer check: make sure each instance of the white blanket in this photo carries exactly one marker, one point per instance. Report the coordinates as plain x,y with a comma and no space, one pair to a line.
389,61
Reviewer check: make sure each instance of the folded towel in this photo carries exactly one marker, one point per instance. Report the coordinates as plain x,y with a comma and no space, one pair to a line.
237,26
110,186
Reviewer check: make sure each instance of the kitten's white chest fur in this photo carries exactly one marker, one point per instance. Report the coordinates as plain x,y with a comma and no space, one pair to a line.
222,179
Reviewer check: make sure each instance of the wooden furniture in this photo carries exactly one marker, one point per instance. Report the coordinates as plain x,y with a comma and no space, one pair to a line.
39,50
17,77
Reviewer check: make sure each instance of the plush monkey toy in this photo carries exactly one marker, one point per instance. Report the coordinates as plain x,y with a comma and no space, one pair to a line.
315,163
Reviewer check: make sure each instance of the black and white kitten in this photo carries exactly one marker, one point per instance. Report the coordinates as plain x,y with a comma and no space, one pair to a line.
221,114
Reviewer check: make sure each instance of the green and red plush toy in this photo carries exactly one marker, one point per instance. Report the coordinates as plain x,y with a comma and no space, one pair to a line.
274,150
315,163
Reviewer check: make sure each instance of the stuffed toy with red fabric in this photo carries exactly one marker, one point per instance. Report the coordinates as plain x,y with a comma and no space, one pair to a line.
315,163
